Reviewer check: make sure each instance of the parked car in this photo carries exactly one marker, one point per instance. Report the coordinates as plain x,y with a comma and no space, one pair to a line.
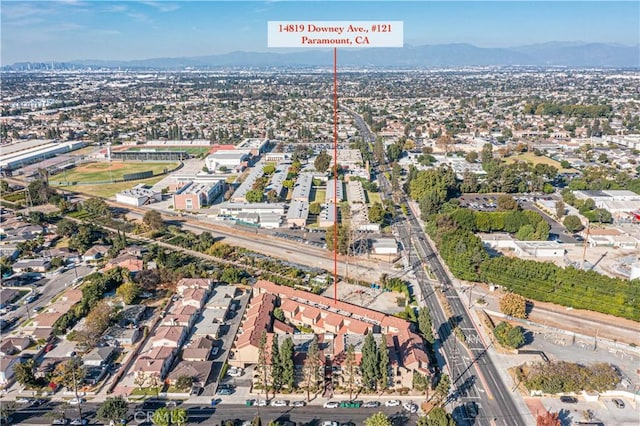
410,407
392,403
298,404
235,372
371,404
279,403
261,403
24,401
61,421
568,399
225,391
79,422
215,351
329,423
77,401
331,404
619,403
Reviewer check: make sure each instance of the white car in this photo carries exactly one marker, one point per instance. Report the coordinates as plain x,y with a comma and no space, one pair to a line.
331,404
392,403
298,404
235,372
371,404
329,423
410,407
261,403
77,401
279,403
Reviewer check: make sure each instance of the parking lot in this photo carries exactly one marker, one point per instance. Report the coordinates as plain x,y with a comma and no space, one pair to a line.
603,410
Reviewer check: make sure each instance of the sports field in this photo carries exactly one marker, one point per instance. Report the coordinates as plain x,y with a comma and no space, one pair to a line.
193,150
100,172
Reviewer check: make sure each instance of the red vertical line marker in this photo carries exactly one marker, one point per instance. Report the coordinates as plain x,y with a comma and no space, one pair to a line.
335,174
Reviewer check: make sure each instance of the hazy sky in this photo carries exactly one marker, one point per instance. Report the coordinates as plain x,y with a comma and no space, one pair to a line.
76,29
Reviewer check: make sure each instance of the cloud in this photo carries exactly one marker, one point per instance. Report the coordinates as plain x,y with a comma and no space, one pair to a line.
162,6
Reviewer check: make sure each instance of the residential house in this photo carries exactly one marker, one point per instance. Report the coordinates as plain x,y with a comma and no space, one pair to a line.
6,370
190,283
99,357
196,354
198,370
35,265
121,336
95,253
14,345
131,315
154,364
169,336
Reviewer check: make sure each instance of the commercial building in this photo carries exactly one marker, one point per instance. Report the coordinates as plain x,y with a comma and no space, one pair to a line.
255,146
231,160
622,204
194,196
138,196
18,159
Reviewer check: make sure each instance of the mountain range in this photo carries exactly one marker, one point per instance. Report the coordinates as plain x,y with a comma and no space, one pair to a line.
568,54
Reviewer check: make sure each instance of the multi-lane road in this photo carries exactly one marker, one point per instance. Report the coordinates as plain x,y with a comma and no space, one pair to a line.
478,393
141,414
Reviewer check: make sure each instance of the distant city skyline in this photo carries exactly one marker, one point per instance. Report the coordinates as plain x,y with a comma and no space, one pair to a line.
113,30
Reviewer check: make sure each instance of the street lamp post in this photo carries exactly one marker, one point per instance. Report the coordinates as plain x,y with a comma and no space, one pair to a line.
75,384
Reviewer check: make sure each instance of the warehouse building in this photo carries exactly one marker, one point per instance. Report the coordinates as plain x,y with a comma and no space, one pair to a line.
138,196
195,196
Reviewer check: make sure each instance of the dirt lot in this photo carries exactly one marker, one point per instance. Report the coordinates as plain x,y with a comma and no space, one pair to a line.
366,297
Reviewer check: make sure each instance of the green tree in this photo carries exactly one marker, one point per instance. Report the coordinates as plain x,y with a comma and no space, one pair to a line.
69,373
437,417
343,238
184,383
254,196
315,208
385,372
24,372
573,223
376,213
350,369
128,291
560,209
179,416
286,360
312,364
278,314
322,161
113,409
526,233
269,169
96,208
443,387
471,157
509,336
565,164
425,324
507,202
276,366
153,219
66,228
369,364
378,419
161,417
261,365
7,408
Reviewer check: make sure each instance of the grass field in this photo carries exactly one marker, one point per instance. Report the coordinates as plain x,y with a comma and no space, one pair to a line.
110,190
373,197
531,158
319,195
100,172
193,150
